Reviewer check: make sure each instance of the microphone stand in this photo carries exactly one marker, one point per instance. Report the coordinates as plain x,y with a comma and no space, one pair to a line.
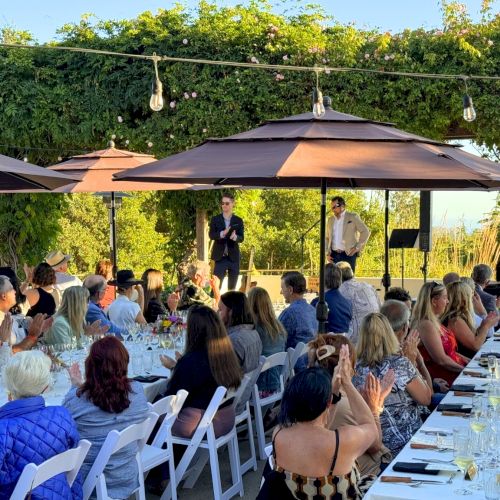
301,238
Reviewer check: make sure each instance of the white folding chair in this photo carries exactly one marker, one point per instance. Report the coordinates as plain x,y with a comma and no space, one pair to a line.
243,419
200,446
293,356
154,454
68,462
278,359
115,441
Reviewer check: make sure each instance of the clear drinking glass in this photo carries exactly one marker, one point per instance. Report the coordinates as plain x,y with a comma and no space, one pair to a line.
492,365
463,456
148,361
491,481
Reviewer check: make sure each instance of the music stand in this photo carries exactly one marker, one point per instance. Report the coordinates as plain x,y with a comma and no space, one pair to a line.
403,238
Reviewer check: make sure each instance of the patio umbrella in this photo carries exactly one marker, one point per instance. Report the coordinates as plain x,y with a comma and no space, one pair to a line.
342,150
18,175
95,172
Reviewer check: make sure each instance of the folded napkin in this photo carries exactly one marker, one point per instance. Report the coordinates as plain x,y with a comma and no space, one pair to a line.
418,468
467,388
146,379
457,408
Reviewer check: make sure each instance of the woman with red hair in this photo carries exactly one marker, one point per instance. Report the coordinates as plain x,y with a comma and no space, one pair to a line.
106,401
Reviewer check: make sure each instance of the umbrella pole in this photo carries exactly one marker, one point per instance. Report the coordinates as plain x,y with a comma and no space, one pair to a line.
112,213
386,279
321,307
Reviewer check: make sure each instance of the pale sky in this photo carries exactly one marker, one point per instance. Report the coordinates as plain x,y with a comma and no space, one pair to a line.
42,18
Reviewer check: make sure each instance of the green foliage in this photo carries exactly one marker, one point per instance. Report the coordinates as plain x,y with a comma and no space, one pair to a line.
69,102
85,233
26,234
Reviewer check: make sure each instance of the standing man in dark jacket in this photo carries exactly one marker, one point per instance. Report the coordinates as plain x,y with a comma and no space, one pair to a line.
227,231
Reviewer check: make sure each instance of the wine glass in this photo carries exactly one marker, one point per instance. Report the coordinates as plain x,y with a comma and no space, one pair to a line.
492,365
463,456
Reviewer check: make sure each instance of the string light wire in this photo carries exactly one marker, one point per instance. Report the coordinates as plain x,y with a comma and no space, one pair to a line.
277,67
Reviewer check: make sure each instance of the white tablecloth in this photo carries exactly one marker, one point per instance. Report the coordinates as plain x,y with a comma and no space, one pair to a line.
393,491
55,395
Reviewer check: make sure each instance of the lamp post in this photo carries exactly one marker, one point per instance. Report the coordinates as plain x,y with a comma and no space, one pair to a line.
113,201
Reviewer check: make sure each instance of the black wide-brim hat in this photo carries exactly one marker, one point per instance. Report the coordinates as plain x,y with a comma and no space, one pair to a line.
125,279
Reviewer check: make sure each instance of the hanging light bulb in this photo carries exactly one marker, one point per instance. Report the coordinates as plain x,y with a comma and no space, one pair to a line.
318,107
156,101
469,111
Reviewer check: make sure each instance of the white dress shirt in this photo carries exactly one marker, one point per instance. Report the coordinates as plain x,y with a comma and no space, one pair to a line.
338,229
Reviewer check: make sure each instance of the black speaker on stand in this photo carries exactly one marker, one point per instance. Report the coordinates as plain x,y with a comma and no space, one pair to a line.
425,235
403,238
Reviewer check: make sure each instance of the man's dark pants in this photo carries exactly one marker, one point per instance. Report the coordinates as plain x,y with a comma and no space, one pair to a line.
343,257
232,268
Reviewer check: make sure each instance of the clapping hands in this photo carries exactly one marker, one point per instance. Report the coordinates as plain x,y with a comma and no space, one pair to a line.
375,391
95,328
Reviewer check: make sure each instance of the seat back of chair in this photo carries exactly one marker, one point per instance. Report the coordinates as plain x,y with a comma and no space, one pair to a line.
200,432
115,441
170,408
68,462
293,355
244,392
170,404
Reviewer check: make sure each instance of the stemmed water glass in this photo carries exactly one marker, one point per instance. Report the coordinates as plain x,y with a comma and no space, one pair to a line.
463,455
492,365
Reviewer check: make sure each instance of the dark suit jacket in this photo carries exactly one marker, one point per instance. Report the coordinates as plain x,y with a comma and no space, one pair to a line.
217,225
488,300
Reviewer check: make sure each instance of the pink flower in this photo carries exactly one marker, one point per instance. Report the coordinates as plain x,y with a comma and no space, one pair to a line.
279,77
271,35
490,43
127,142
185,41
120,119
150,144
367,56
438,32
186,95
194,95
171,136
386,58
204,130
285,58
327,71
173,104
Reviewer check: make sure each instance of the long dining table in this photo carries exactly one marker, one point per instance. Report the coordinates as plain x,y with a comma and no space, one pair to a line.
154,382
434,443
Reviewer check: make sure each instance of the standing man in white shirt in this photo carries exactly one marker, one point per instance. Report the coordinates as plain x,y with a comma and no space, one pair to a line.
346,234
59,262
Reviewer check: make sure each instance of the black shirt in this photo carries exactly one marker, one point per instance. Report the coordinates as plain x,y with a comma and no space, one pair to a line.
193,374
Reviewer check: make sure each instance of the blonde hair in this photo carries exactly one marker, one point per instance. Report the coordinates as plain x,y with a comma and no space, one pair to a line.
74,305
468,281
197,267
423,307
460,304
27,374
376,340
263,314
153,284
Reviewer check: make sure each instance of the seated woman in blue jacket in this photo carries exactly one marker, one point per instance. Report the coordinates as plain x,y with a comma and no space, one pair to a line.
31,432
